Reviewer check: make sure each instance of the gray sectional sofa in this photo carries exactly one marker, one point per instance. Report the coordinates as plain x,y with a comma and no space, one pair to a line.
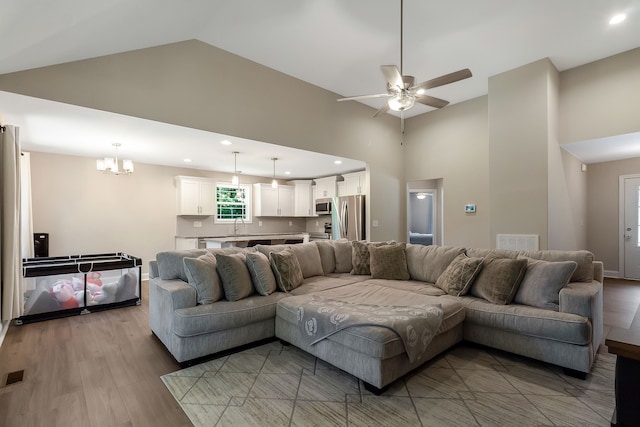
546,305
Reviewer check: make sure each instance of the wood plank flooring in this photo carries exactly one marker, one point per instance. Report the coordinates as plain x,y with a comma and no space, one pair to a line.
103,369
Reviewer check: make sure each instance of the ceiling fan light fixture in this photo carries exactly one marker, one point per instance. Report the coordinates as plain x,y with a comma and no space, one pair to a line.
402,101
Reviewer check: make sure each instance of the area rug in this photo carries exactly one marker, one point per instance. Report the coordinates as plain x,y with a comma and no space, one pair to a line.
276,385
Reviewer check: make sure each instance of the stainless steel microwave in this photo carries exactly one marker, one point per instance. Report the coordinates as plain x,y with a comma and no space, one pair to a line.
323,206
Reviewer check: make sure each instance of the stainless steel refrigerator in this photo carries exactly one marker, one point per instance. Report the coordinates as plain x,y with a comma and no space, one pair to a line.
348,218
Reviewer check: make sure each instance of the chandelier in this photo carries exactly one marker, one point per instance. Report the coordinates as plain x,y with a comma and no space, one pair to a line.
110,164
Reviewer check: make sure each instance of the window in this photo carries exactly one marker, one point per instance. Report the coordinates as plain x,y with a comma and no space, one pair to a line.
233,202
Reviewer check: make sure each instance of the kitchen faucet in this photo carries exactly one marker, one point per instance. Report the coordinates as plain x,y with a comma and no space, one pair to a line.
235,225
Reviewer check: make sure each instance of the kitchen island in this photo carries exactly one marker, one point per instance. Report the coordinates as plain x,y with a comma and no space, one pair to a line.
240,240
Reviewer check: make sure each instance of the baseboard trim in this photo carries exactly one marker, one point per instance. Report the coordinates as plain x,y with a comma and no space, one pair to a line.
4,327
613,274
145,276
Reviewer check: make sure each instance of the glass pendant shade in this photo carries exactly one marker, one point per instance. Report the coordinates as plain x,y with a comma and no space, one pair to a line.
402,101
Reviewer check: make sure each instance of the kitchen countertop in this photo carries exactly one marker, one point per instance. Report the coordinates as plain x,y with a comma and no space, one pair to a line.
245,236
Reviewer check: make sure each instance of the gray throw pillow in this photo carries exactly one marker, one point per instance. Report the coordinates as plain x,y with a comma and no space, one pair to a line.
235,277
361,258
459,275
388,262
542,283
427,263
203,277
287,270
261,275
327,255
342,250
309,259
499,279
170,263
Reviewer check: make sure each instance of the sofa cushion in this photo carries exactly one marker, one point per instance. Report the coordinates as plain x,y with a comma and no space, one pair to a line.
497,253
528,321
224,315
343,250
499,279
203,277
235,276
542,282
427,263
287,270
327,255
459,275
261,274
170,264
388,262
308,258
583,259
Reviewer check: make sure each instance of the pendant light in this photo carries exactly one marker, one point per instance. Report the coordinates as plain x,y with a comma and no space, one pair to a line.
274,182
235,180
110,164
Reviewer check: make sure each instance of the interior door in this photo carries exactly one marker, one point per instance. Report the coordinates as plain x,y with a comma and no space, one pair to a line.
632,228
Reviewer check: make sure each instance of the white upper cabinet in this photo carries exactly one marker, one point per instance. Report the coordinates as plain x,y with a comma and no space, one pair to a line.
354,183
326,187
196,196
303,197
271,201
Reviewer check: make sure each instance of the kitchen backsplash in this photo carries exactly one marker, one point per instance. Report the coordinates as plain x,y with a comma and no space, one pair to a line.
185,226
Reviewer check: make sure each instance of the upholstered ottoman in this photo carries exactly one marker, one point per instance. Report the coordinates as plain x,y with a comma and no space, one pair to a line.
375,354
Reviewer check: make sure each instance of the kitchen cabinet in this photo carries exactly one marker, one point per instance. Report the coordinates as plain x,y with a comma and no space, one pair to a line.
354,183
326,187
269,201
303,197
196,196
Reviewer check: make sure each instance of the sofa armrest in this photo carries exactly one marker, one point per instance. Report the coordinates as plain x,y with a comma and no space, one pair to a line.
153,269
598,271
585,299
165,297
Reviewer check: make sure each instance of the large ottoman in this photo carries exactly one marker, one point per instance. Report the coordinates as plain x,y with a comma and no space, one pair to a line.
374,354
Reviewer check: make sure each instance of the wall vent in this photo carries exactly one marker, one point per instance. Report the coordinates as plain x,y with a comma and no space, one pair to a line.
518,242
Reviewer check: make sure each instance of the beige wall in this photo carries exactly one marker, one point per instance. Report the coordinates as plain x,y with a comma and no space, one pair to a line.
603,209
88,212
452,144
601,99
197,85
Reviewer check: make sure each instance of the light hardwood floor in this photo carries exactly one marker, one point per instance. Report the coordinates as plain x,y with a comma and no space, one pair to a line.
103,369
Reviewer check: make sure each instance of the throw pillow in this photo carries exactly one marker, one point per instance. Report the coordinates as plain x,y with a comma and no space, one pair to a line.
287,270
343,256
427,263
361,258
203,277
309,259
459,275
542,283
388,262
235,276
261,275
170,263
499,279
327,255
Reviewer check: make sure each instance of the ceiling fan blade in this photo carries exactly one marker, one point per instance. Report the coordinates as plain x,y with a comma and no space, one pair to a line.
444,80
431,101
382,109
393,76
353,98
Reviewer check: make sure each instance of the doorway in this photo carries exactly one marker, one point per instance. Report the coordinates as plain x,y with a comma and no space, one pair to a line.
422,216
630,226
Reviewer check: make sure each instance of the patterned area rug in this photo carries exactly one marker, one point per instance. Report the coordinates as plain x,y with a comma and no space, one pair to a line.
274,385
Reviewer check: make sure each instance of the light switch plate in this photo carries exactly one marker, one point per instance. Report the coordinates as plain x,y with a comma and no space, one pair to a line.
374,223
259,223
197,224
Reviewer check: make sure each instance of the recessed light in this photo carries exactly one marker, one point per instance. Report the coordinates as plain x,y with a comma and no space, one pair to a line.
225,142
617,19
187,160
338,162
287,172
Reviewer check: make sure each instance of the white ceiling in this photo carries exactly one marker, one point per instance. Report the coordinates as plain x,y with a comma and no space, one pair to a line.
338,45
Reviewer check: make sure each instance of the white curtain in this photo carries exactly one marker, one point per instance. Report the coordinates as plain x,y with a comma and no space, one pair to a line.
11,303
26,216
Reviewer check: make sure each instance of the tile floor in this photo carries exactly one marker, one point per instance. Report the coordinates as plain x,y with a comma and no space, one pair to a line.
274,385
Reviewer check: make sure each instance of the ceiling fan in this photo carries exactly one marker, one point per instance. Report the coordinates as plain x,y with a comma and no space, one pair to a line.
402,90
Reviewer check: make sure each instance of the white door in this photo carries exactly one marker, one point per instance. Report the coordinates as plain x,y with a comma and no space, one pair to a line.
632,228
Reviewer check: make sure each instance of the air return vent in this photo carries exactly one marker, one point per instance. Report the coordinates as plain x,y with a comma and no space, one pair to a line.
517,242
14,377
